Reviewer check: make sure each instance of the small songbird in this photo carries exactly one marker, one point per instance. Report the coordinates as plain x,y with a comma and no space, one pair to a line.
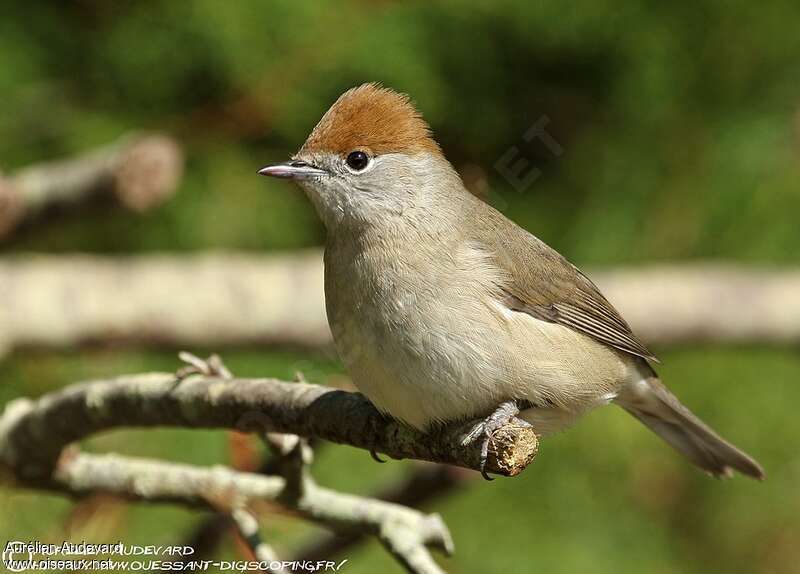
442,309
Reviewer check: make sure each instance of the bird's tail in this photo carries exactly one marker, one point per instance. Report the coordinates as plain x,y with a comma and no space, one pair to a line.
653,404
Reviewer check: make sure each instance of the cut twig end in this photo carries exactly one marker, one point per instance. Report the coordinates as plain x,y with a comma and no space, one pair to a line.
512,449
148,172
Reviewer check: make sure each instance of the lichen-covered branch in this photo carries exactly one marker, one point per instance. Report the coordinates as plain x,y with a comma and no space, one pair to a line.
34,432
236,299
140,170
424,484
208,300
37,451
407,533
247,527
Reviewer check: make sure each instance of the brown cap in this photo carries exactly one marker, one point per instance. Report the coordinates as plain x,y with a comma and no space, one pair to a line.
374,119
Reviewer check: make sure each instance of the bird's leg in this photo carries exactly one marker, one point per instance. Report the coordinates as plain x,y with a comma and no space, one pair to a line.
501,416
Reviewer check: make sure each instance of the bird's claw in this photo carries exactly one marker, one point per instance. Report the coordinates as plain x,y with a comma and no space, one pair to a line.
375,456
502,415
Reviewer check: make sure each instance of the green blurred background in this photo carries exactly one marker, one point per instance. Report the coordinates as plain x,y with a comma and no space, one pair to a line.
680,125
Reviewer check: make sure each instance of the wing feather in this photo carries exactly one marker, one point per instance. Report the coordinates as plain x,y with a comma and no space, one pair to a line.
540,282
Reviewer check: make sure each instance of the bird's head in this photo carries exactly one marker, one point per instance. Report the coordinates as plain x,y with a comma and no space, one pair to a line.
371,155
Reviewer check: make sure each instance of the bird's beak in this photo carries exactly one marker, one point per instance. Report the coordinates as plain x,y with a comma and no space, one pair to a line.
294,169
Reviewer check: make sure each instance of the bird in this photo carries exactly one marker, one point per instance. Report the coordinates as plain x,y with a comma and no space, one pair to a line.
442,309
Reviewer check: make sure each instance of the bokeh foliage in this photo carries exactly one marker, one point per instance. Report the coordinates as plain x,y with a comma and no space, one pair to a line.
680,124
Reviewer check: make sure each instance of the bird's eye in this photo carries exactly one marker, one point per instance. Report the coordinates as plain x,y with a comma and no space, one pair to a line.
357,160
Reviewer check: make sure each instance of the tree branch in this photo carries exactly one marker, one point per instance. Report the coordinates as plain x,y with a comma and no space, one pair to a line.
52,301
141,170
423,485
34,432
278,299
247,527
407,533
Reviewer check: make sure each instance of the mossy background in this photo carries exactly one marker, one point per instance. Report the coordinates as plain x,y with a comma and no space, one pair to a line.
680,125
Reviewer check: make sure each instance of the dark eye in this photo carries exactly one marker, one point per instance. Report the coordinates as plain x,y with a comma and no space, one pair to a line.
357,160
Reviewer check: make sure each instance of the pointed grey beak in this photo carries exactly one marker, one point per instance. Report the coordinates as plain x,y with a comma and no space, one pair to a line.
294,169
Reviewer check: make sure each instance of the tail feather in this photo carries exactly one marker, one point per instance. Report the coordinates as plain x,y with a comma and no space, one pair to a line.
653,404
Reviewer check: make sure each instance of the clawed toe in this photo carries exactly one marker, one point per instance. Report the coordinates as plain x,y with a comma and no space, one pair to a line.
473,435
375,456
485,430
485,457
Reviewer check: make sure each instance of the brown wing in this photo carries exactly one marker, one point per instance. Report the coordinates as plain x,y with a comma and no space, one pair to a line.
595,318
543,284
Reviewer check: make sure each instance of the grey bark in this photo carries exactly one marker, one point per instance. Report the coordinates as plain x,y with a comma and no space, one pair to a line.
140,170
37,451
228,299
33,433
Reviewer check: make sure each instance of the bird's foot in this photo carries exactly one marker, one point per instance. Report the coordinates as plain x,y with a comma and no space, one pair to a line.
375,456
485,429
